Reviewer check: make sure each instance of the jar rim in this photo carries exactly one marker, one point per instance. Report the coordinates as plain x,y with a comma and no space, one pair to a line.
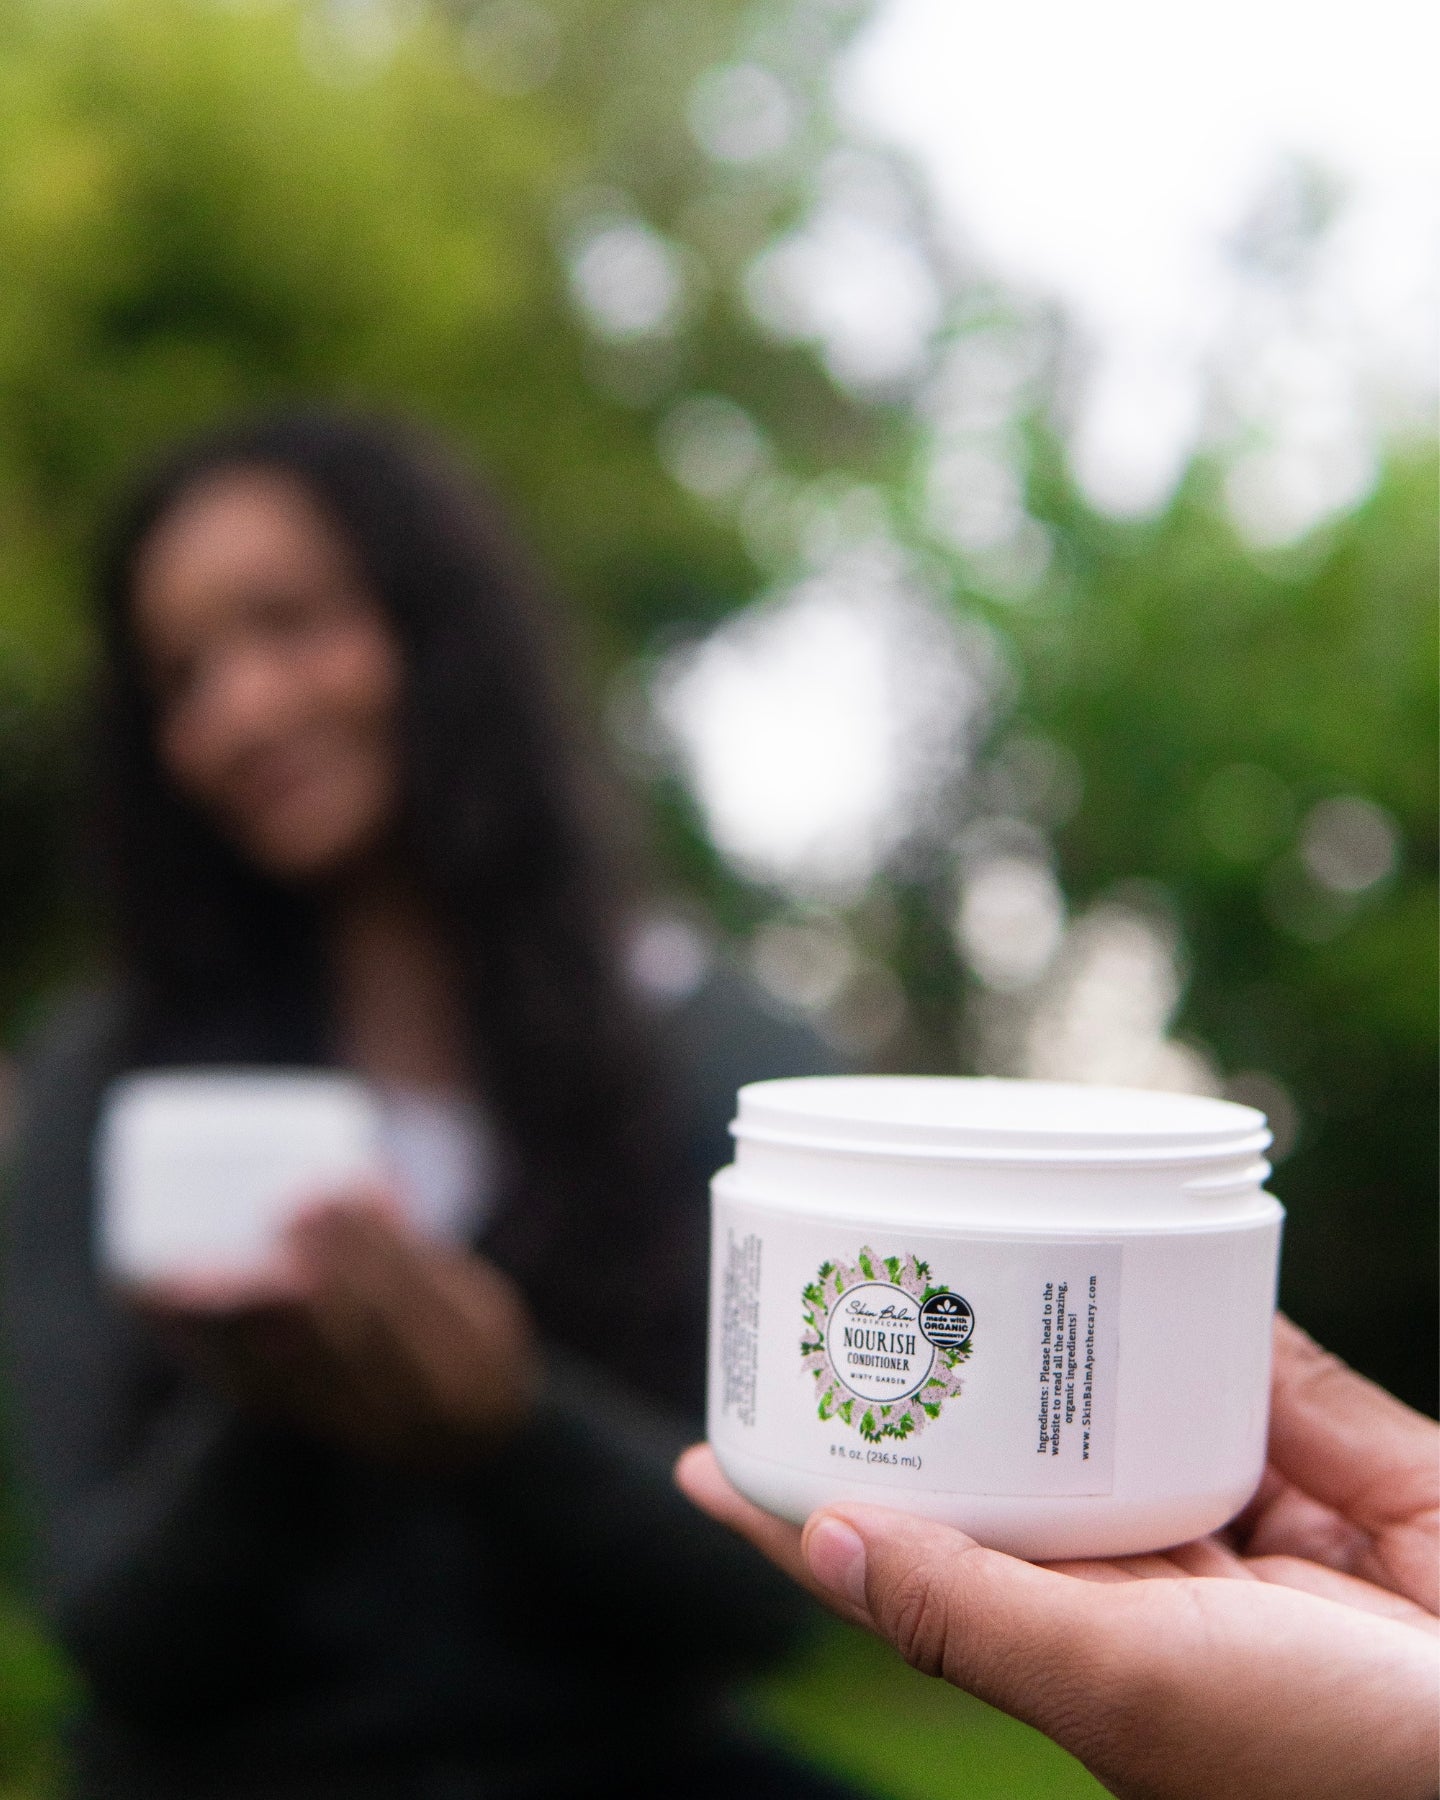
994,1118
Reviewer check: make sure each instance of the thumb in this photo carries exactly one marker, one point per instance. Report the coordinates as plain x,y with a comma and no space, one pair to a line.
1027,1640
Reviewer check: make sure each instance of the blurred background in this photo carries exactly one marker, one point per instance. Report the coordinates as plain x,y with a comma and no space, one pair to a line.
989,457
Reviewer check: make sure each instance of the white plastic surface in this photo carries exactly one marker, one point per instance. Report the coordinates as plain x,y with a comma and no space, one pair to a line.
986,1118
198,1172
1149,1208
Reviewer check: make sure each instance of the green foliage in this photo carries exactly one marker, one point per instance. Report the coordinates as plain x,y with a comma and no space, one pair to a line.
34,1691
210,206
856,1708
1212,696
206,208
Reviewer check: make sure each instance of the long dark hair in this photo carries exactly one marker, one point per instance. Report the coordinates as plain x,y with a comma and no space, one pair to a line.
503,821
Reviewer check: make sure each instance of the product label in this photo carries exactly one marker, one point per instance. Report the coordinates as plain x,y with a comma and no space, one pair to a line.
883,1343
954,1360
739,1325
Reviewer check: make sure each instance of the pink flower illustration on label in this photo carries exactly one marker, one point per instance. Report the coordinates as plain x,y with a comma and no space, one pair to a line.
885,1344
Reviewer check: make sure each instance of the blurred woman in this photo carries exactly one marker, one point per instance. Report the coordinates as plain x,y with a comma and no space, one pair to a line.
401,1522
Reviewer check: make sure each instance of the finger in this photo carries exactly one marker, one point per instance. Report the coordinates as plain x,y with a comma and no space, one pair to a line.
1023,1638
1187,1688
1272,1485
1348,1590
1349,1444
350,1283
1340,1437
402,1282
460,1324
439,1339
321,1240
353,1240
1112,1571
1116,1569
365,1250
357,1381
374,1199
320,1365
1295,1524
1211,1557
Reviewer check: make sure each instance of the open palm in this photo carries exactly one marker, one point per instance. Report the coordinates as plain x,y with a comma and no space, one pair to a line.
1348,1506
1293,1655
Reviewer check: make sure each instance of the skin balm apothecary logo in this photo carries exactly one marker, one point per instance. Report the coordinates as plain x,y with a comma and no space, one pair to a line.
884,1343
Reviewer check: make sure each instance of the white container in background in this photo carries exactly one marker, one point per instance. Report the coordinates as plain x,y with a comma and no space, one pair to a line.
1037,1311
199,1171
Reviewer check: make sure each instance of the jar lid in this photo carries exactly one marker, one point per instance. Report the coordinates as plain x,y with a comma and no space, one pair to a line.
988,1119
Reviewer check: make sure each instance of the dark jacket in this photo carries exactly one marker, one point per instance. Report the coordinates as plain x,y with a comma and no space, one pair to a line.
258,1613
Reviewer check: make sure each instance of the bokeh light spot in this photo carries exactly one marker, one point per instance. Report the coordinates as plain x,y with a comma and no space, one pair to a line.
1349,844
741,114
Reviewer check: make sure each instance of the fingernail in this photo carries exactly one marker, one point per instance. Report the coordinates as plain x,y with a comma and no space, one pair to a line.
835,1553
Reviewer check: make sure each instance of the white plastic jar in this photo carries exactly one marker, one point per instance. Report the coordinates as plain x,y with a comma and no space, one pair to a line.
1039,1312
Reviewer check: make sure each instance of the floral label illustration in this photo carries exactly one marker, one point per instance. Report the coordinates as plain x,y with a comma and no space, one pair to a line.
885,1344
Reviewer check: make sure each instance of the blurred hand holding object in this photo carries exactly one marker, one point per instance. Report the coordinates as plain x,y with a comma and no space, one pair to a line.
364,1333
249,1213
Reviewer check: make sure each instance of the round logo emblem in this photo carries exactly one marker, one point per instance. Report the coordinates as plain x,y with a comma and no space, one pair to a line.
886,1355
876,1343
947,1321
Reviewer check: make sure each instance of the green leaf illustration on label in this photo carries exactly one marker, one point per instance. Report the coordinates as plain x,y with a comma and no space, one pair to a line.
882,1332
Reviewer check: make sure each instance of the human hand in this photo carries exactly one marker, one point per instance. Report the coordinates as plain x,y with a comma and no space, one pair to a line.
1293,1656
363,1333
